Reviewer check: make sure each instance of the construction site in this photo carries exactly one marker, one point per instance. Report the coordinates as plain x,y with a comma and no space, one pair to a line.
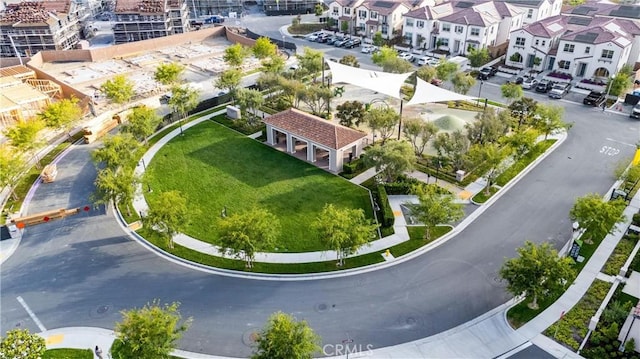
149,19
29,27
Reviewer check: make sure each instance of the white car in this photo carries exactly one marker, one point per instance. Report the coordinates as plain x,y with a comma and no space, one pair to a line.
313,36
429,61
406,56
529,83
367,49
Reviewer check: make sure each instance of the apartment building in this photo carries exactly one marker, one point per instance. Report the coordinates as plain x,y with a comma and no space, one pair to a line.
536,10
147,19
29,27
580,46
343,11
457,27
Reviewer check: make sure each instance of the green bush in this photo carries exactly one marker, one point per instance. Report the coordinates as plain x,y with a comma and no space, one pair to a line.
404,185
619,255
386,213
636,219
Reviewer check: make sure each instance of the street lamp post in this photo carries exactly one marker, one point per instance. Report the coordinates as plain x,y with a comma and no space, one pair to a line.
479,93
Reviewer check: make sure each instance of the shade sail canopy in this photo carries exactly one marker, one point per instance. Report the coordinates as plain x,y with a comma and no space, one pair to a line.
382,82
428,93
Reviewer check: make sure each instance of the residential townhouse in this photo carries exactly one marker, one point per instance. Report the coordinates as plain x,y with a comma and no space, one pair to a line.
536,10
27,28
148,19
366,17
582,47
457,27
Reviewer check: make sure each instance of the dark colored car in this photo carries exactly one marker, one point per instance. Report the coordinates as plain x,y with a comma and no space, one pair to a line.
489,71
544,86
340,43
519,80
594,98
352,43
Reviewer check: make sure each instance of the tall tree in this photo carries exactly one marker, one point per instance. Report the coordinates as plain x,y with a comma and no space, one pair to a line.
378,40
119,89
462,82
487,128
183,99
151,332
511,91
283,337
20,344
264,48
316,97
24,134
168,73
427,73
235,54
350,60
142,122
523,109
62,114
392,158
548,119
350,113
168,214
477,57
116,151
538,269
491,155
11,165
434,208
419,133
229,80
244,234
383,120
446,69
597,216
388,59
344,230
521,142
273,64
619,83
249,100
453,146
311,62
115,186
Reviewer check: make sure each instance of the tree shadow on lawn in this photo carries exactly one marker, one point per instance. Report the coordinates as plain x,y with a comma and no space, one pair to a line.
253,163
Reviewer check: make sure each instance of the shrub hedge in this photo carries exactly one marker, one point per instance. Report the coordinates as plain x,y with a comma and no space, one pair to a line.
386,213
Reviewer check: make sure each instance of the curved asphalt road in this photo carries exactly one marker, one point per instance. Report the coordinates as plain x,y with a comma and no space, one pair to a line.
81,271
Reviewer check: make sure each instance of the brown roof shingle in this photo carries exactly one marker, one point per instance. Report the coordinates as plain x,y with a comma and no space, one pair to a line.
314,128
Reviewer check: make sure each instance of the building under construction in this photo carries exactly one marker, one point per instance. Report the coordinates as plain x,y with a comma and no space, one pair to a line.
205,8
22,95
32,26
148,19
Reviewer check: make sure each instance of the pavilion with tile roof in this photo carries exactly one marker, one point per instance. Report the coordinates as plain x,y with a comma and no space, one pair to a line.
322,138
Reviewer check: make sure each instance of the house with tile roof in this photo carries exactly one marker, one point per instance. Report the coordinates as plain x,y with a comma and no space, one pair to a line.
384,16
460,25
321,142
536,10
595,47
344,11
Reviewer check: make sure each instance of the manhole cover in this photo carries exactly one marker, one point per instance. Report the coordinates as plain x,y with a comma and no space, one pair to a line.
411,321
100,311
322,307
250,336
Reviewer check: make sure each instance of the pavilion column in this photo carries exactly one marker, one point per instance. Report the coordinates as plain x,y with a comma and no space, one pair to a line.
311,152
290,146
270,133
333,160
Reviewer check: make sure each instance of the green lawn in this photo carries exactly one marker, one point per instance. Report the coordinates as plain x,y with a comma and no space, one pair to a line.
69,354
215,167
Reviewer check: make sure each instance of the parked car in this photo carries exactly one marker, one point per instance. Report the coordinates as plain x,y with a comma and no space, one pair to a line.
429,61
594,98
544,86
324,38
406,56
352,43
529,83
368,49
559,90
635,112
488,72
313,36
340,43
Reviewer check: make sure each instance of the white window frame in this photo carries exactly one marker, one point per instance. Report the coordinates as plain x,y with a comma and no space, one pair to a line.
446,27
607,54
569,48
519,42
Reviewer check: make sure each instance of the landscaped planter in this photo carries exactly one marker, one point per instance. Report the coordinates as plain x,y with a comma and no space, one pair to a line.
509,70
558,77
591,85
